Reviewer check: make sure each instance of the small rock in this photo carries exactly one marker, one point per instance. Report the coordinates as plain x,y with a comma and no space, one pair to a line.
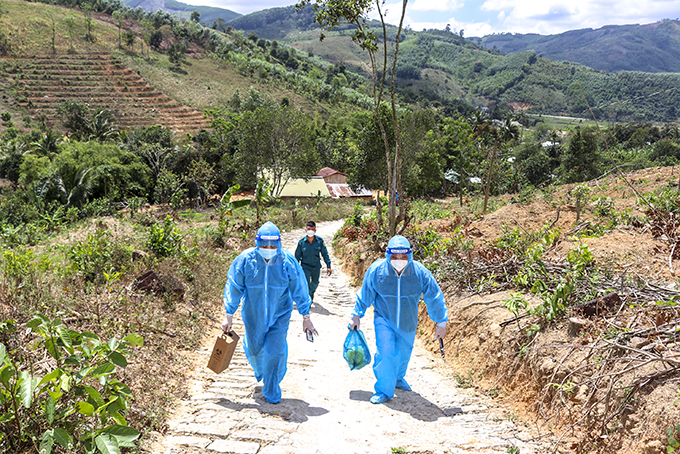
638,342
653,447
575,326
581,395
495,329
547,366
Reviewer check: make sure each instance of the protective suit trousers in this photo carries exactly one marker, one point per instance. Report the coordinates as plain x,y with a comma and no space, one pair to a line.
268,354
312,278
393,352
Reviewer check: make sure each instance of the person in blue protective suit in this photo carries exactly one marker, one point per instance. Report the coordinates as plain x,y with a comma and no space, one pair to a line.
394,286
307,253
266,280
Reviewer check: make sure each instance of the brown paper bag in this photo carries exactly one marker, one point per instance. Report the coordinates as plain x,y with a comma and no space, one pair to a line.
225,344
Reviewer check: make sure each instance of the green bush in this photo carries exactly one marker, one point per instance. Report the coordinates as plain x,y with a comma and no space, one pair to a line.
17,266
97,255
78,404
165,240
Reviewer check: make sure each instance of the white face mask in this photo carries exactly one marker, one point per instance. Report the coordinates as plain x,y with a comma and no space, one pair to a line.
267,254
311,233
399,265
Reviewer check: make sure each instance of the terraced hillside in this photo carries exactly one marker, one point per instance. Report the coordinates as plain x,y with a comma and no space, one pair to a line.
40,84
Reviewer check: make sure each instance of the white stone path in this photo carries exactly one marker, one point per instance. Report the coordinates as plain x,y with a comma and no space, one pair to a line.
325,407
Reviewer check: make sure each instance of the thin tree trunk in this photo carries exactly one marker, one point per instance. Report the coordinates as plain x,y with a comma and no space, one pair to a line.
397,129
488,178
378,208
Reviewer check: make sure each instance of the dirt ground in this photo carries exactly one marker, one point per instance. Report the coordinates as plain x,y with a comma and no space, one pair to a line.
593,413
486,351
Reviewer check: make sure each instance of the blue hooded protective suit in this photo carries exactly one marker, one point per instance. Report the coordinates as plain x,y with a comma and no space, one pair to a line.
395,300
267,291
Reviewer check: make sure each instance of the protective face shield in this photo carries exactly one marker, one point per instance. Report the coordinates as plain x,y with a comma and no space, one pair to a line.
268,235
399,245
311,233
399,252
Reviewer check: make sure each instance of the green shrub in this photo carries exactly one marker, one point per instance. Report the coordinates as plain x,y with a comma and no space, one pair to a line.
78,404
18,266
97,255
426,211
165,240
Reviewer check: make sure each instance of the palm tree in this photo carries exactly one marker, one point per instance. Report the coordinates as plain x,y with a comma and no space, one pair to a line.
48,144
101,127
82,187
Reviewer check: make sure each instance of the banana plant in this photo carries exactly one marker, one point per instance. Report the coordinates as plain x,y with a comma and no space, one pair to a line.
262,198
227,206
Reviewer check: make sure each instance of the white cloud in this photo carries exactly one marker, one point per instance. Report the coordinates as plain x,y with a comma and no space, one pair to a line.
557,16
435,5
496,16
470,28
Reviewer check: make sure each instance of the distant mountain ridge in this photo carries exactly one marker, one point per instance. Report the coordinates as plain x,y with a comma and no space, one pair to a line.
441,66
650,48
209,14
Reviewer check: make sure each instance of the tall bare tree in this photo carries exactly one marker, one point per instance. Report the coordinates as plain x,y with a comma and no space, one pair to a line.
331,13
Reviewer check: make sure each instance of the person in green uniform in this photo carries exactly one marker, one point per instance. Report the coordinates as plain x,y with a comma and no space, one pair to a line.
307,253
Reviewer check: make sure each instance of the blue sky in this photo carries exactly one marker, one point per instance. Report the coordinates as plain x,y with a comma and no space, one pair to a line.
484,17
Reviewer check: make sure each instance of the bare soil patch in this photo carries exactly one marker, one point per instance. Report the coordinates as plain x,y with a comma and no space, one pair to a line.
612,385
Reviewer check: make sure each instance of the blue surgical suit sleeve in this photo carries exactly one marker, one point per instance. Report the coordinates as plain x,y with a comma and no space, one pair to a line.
235,288
432,295
366,294
324,253
297,284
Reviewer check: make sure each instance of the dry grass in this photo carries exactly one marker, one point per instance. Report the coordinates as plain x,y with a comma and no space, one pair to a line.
207,83
30,26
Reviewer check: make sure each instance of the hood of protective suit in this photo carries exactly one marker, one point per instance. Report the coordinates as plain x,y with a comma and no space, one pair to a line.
399,245
268,234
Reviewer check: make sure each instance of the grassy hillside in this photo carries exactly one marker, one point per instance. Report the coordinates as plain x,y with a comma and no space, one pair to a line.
29,28
201,80
650,48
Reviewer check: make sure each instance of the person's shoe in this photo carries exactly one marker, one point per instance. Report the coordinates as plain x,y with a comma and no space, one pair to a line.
379,398
401,384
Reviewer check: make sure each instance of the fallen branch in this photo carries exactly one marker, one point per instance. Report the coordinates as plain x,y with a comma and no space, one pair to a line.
670,257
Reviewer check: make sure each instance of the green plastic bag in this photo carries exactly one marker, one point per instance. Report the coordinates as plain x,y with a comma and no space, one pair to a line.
355,350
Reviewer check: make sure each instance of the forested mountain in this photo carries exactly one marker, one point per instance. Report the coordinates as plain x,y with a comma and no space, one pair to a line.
646,48
437,65
650,48
208,14
275,23
526,80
